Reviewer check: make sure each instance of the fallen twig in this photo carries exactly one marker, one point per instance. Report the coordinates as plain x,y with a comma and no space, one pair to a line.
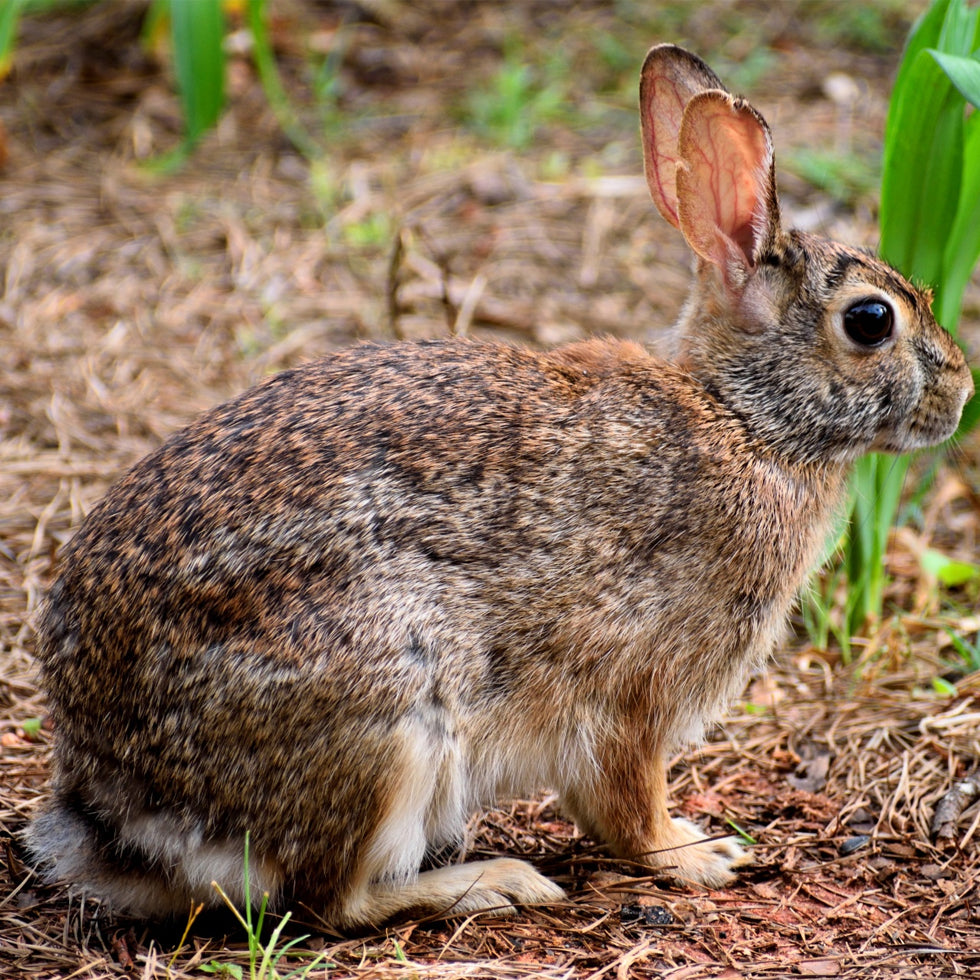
960,796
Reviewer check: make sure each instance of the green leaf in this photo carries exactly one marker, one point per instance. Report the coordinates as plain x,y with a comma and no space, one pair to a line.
275,92
197,27
232,970
963,238
9,17
959,29
946,570
922,170
926,32
746,837
943,687
969,653
964,73
32,727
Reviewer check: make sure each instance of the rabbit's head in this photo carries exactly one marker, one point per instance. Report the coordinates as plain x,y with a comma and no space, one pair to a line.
824,350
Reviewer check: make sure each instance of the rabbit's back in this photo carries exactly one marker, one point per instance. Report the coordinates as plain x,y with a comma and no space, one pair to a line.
276,528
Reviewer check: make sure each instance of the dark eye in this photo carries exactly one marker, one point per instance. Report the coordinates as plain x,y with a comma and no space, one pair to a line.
869,322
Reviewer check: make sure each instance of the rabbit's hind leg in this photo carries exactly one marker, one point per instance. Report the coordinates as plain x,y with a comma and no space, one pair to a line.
427,806
495,887
146,864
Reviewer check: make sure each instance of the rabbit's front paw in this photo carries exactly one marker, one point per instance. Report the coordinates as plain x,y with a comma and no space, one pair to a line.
687,855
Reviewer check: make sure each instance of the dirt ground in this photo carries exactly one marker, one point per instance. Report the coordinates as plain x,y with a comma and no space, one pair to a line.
130,299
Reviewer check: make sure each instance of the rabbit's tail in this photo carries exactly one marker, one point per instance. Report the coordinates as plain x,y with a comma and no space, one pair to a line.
148,868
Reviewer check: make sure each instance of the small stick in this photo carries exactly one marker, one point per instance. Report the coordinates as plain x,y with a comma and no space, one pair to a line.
391,292
960,796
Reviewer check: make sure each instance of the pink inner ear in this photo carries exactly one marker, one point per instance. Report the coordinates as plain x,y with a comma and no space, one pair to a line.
726,200
663,110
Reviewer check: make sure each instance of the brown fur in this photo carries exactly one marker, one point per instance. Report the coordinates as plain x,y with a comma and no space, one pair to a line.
372,594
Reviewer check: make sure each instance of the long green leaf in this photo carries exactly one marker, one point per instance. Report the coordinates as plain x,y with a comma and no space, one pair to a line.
929,225
940,18
963,239
199,62
9,17
964,73
921,172
925,33
272,85
959,29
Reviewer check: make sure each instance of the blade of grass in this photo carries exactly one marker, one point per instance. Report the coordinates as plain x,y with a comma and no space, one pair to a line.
265,64
197,28
9,18
925,33
865,546
959,30
971,411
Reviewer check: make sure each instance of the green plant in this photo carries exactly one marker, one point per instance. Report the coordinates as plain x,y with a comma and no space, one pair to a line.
947,571
372,231
32,728
197,30
967,650
844,176
930,230
868,26
263,958
743,834
817,606
265,64
518,100
9,16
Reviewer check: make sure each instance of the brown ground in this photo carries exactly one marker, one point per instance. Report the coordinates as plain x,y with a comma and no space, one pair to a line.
130,301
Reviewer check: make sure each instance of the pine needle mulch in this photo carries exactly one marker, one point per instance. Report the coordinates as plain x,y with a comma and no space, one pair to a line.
131,301
837,782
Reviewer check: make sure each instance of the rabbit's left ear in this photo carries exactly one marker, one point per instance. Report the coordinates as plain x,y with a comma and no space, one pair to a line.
726,183
669,79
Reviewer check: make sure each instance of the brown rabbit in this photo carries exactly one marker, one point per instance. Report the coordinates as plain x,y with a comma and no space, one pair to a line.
373,594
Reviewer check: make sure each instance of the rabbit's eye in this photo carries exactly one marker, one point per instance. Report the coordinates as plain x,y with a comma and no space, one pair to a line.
869,322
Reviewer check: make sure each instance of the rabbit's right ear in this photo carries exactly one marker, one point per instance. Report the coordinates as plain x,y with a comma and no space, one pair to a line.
669,79
726,184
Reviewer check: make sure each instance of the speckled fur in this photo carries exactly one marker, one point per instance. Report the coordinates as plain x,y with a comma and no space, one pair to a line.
377,592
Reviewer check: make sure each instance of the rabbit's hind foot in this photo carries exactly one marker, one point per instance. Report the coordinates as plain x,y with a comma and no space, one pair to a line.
687,855
494,887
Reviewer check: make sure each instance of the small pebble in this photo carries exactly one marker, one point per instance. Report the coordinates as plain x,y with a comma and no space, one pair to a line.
648,915
853,844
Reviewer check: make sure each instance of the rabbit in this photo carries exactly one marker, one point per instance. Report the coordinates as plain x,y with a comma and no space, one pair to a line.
347,609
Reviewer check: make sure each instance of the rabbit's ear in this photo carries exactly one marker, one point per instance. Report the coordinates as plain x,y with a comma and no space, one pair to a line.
726,183
670,78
